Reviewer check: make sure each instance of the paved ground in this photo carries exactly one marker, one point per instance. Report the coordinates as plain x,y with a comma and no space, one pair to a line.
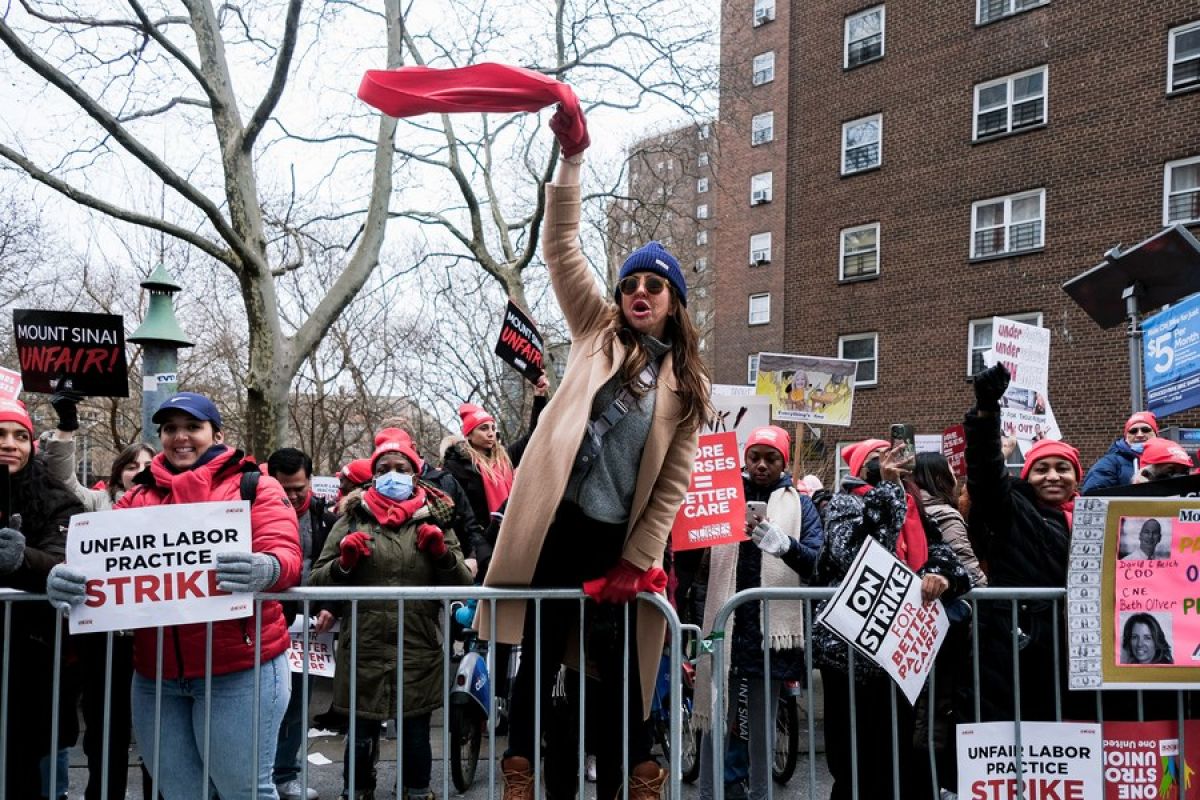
325,768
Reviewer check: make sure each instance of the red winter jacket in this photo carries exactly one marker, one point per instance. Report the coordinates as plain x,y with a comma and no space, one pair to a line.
273,529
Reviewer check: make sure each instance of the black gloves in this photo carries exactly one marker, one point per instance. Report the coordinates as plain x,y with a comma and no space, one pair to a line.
66,406
990,386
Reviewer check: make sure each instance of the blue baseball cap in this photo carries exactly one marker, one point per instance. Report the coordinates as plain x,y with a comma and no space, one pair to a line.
197,405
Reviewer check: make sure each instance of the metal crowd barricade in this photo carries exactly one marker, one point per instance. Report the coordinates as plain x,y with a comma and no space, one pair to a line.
351,597
810,596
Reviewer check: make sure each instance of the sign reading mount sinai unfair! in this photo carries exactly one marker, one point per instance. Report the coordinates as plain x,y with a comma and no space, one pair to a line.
85,351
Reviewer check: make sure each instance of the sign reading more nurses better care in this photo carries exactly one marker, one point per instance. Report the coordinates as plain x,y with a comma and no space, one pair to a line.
86,352
714,508
155,566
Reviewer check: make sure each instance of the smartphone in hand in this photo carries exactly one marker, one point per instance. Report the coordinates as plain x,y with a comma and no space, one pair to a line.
903,434
754,510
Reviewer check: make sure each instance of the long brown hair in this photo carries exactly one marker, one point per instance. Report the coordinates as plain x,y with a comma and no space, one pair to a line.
127,457
691,373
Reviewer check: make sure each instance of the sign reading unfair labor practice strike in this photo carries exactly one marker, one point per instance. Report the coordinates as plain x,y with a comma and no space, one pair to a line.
1133,594
878,610
85,351
1059,761
714,508
157,566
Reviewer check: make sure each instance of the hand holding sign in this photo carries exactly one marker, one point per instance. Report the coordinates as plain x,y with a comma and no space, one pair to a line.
246,572
65,587
990,385
12,549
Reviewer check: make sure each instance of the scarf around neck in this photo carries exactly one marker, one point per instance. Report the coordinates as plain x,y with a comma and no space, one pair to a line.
393,513
195,483
911,545
497,484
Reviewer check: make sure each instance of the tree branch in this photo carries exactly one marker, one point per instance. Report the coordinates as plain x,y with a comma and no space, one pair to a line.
154,112
278,80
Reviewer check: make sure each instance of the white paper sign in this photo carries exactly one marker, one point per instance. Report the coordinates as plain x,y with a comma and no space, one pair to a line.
156,566
1061,760
738,409
878,610
326,486
1025,351
320,653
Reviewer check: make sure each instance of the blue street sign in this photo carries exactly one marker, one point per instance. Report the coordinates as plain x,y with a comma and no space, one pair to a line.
1171,357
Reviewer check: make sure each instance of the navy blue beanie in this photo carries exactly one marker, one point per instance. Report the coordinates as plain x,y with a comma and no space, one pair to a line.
653,257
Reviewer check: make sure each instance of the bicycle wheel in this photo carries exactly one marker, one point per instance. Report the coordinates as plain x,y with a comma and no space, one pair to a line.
787,739
466,732
689,755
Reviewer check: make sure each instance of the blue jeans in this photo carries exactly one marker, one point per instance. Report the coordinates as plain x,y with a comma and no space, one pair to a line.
232,738
293,733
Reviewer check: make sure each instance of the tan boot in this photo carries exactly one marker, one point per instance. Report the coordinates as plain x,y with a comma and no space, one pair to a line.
517,773
646,781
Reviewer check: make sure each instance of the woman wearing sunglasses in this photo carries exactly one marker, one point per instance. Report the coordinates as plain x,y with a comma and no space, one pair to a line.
599,486
1117,466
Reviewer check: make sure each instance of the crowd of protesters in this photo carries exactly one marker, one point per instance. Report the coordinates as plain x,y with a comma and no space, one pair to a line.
586,499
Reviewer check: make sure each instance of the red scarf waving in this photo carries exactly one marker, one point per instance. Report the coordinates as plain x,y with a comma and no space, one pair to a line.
911,545
393,513
497,485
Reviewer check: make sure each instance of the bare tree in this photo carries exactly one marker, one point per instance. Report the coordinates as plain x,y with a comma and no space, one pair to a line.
126,72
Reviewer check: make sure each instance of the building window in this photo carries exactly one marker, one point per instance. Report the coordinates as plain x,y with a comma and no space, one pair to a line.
764,12
979,337
760,249
701,238
841,470
702,211
863,348
1008,224
1010,104
862,141
760,309
701,185
992,10
864,37
703,131
763,68
860,252
752,369
702,160
1183,58
761,188
1181,192
762,128
701,264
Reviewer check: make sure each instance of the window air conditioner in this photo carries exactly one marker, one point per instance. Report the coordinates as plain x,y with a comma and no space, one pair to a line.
759,197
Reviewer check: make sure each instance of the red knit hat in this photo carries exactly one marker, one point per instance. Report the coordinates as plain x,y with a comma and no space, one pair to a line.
1165,451
1145,417
472,417
1051,448
392,434
403,446
358,471
770,436
14,411
856,454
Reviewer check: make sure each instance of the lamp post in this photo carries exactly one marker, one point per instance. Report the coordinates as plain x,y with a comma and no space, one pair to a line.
160,337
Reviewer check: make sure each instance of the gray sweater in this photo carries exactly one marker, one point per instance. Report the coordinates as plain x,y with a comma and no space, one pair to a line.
604,489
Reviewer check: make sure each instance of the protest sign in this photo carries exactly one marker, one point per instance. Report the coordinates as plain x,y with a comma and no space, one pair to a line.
10,384
1141,760
738,409
320,650
878,610
157,565
954,448
1059,761
520,344
85,351
819,391
1171,357
326,487
1133,614
1025,351
714,508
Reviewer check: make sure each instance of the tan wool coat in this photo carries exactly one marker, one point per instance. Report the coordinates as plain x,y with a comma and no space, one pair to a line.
666,462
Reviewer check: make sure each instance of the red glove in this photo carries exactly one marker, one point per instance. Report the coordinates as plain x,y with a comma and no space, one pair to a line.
431,541
623,582
570,128
353,547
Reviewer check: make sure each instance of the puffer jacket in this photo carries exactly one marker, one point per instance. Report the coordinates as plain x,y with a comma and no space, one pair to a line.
394,561
954,533
1115,468
273,529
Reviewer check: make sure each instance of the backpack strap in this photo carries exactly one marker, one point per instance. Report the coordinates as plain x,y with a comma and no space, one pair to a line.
248,486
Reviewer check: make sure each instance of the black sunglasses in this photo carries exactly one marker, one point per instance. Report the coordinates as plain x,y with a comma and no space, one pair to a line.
1141,430
654,284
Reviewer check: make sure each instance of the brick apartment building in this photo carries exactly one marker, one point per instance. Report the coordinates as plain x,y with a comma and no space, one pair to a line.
947,162
671,198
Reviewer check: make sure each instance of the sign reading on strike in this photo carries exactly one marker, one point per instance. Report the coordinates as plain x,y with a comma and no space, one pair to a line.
155,566
954,448
1059,761
10,384
520,344
714,508
878,610
85,351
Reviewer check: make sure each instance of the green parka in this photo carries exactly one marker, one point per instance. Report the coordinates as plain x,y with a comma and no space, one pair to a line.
394,561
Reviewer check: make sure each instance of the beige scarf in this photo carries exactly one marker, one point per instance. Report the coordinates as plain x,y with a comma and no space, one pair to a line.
786,617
